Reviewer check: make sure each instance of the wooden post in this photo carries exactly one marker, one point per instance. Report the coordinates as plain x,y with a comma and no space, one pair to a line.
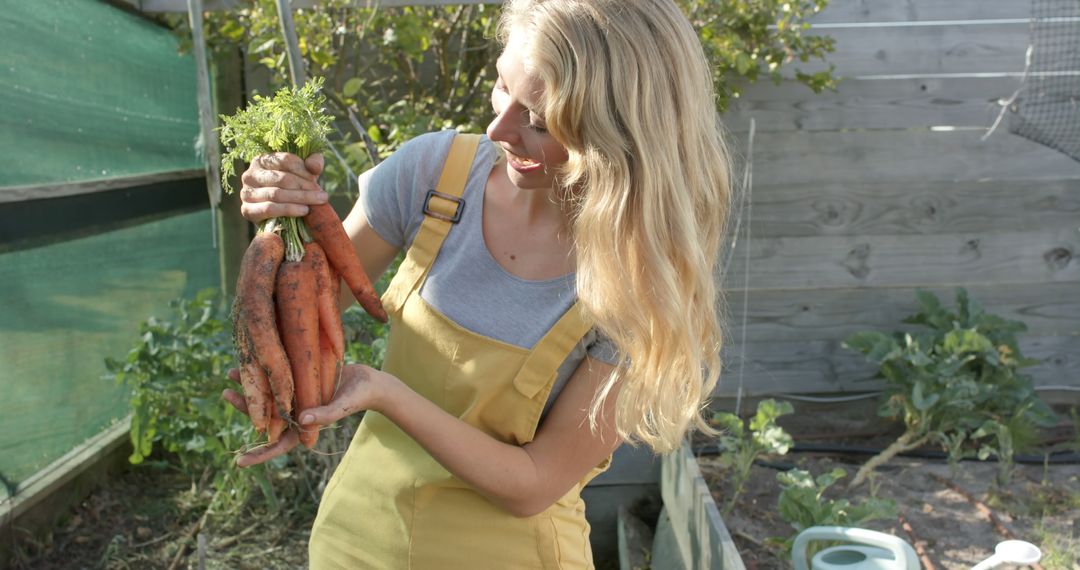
234,232
288,30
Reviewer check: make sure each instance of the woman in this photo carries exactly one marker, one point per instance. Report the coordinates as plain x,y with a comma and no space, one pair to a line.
557,297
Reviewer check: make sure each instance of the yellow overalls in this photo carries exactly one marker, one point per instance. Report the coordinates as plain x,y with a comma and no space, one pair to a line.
390,505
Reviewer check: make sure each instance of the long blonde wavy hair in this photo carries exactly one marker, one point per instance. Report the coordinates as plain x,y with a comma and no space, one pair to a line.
627,91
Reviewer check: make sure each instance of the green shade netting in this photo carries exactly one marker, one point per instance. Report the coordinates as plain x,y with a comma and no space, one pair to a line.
91,92
65,308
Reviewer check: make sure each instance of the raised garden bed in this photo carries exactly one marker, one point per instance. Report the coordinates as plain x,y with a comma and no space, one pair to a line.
954,519
686,533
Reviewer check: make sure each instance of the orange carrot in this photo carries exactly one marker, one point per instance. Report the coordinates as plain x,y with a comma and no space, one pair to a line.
255,315
257,393
326,282
325,226
331,367
298,322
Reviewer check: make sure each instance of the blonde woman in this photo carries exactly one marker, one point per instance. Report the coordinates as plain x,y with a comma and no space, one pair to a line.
556,300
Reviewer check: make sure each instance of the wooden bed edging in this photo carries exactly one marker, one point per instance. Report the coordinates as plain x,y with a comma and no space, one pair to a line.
49,494
690,534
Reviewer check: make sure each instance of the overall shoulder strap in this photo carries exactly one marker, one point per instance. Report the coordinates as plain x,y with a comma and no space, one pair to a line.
442,209
538,372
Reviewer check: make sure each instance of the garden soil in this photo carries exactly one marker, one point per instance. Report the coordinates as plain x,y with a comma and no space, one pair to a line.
1040,505
149,517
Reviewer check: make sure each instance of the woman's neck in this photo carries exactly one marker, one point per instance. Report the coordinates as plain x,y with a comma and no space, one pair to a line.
531,207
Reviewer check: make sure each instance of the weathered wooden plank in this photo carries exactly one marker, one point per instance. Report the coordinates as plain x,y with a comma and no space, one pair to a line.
842,157
233,230
635,541
822,262
666,551
916,207
58,190
53,477
819,366
207,120
875,11
601,511
1048,309
925,50
695,519
862,104
677,491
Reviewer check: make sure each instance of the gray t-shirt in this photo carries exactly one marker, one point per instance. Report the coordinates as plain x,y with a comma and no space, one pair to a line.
466,283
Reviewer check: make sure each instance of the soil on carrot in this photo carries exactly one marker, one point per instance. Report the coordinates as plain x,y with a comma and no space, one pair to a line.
1039,504
145,517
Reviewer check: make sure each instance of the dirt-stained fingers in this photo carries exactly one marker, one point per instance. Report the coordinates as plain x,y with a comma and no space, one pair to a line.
265,453
235,399
255,177
284,161
259,211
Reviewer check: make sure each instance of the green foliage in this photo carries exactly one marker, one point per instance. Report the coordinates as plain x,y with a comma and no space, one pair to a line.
175,373
742,446
365,337
959,382
747,38
293,121
394,73
802,503
391,73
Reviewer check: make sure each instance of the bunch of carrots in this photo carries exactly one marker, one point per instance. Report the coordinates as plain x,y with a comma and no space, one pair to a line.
286,323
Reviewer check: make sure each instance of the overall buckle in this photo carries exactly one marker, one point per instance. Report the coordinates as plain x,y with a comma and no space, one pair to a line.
459,206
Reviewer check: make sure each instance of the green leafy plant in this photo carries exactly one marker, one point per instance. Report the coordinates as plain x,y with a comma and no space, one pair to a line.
394,73
802,503
957,384
742,445
175,373
747,39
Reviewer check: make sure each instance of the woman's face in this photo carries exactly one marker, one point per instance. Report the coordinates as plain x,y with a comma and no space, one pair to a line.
533,155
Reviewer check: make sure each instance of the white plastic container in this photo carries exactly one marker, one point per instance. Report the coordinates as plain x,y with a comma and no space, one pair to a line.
872,550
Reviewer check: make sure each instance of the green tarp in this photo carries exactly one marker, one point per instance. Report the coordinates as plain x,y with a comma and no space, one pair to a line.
88,92
91,92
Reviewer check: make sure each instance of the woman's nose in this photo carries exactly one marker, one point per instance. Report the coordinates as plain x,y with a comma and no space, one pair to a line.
502,128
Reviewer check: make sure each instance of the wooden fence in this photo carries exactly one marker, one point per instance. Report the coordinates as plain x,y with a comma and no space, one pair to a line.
862,196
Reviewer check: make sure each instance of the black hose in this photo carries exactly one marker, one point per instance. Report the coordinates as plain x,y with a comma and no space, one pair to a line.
1060,458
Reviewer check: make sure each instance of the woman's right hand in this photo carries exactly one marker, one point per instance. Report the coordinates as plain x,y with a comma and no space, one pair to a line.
280,184
359,388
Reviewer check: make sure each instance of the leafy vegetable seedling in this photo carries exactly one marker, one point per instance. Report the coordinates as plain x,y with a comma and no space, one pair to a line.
743,446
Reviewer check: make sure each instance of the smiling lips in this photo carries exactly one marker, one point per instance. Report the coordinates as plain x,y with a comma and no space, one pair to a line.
522,165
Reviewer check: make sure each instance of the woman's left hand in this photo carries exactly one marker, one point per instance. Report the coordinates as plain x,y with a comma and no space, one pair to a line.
359,389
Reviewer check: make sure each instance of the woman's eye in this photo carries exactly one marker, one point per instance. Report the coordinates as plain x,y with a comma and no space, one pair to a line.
538,128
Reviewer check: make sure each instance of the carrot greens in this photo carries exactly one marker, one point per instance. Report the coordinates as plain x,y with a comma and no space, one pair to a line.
293,120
